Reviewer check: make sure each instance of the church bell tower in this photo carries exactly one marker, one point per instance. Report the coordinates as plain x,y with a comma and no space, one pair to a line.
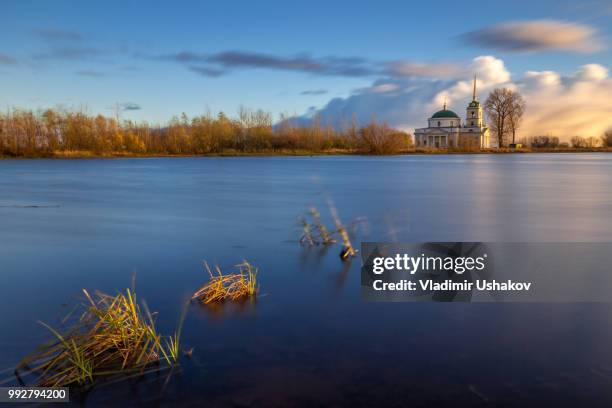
474,111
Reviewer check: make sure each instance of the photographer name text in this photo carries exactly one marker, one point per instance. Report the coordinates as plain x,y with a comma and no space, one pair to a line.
433,266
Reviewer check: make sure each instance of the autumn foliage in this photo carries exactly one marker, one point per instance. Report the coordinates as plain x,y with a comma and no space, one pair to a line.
58,132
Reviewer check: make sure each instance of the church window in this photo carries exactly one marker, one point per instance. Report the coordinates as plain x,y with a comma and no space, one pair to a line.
472,113
438,123
472,123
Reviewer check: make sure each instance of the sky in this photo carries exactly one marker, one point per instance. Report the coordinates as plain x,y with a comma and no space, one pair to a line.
394,61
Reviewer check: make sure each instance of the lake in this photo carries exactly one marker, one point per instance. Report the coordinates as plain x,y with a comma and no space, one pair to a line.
310,340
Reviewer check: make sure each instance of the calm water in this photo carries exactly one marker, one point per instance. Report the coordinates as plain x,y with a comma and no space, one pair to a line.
309,340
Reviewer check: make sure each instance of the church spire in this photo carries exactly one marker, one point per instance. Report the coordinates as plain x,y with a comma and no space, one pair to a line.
474,93
444,104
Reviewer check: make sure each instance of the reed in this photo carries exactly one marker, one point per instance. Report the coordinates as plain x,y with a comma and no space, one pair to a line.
348,251
112,337
316,233
307,234
325,237
232,287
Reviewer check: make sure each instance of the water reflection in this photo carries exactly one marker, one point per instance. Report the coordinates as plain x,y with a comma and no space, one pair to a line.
226,310
342,276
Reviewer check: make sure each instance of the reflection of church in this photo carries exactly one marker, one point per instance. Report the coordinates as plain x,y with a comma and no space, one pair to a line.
445,129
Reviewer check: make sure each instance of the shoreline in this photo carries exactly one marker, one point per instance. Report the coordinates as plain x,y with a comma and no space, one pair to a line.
119,155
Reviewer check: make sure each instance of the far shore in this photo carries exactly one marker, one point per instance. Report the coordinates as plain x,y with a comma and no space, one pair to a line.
299,153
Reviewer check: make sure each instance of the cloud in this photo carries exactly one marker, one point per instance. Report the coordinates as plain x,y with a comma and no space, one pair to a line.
57,34
214,65
564,106
382,88
129,106
206,71
419,69
406,102
90,73
184,57
592,72
335,66
536,35
7,60
314,92
577,104
221,63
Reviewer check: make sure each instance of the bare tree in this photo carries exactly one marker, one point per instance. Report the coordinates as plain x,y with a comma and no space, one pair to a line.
606,139
578,142
505,108
544,141
592,142
517,109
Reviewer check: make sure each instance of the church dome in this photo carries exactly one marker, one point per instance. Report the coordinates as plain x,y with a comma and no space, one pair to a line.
445,113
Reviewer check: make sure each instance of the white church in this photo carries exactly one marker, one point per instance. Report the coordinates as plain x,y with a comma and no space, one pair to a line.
445,129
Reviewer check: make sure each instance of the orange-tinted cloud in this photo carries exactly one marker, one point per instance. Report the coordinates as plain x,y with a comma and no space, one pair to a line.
537,35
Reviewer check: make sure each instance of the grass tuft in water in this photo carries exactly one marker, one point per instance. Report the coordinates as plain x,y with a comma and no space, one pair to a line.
316,233
112,337
232,287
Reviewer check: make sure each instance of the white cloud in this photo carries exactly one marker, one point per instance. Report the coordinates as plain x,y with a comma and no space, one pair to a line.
563,106
413,100
576,105
592,72
541,80
490,69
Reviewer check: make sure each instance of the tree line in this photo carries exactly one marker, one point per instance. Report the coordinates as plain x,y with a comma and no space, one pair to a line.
576,142
53,131
25,133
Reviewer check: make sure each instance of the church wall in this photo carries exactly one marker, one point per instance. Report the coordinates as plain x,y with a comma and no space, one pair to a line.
463,139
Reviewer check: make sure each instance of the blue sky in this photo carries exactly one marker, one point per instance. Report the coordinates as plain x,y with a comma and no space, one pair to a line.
276,55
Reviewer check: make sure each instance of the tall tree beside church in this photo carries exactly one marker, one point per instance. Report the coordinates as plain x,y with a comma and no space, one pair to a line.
517,109
505,108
